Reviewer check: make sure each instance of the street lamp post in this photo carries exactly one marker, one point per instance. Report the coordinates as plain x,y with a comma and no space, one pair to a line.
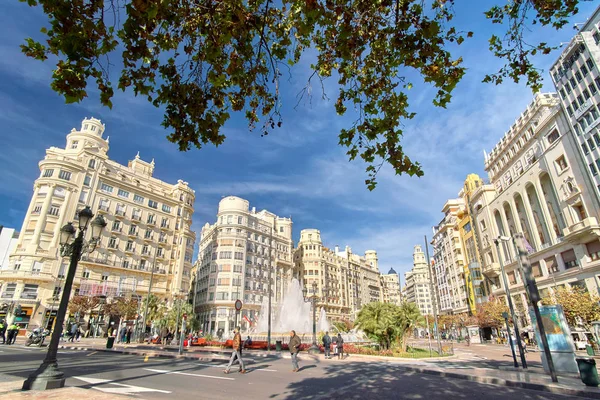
510,303
48,376
314,348
270,291
142,334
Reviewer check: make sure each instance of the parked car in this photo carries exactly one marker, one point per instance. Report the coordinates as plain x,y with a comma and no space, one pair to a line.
581,339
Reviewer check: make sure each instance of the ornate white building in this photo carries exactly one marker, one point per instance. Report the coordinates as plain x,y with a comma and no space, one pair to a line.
576,76
390,285
417,288
345,281
449,261
148,225
233,263
538,187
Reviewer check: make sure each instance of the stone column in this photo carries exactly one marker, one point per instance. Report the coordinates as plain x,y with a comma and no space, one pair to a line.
529,216
63,218
545,211
513,210
511,250
30,209
42,217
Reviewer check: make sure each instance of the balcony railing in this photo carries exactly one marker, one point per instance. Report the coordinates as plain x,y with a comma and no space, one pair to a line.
29,295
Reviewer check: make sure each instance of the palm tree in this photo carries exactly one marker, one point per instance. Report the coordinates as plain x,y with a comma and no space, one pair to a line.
377,321
407,319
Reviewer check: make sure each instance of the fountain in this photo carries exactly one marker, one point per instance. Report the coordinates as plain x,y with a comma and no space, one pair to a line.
292,314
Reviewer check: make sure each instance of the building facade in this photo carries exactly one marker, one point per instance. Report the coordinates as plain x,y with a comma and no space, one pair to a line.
468,234
449,260
345,281
390,285
576,76
233,263
148,232
417,287
538,187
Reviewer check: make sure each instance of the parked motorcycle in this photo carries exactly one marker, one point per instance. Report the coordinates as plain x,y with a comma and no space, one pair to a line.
36,337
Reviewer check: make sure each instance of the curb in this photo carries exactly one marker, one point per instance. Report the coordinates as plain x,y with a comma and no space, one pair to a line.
509,383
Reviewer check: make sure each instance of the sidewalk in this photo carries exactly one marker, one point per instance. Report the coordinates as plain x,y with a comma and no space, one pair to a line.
534,378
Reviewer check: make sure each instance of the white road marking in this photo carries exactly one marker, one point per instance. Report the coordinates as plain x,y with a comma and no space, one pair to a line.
19,348
224,365
124,389
164,371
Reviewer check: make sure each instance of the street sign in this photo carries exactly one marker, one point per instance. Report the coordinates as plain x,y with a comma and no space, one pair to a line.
238,305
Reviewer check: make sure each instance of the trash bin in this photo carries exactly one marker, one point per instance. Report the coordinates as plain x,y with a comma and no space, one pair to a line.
109,342
278,345
587,371
590,350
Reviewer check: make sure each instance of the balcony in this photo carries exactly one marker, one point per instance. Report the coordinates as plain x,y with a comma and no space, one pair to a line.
151,222
164,227
146,254
116,230
492,270
148,238
103,209
132,234
120,213
587,225
136,217
26,275
129,249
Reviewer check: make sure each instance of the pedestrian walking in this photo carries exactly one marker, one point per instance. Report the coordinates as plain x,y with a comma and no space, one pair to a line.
128,336
164,335
327,345
294,346
3,331
73,332
340,346
236,352
123,335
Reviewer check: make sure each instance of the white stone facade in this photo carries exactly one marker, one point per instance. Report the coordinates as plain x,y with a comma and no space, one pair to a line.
233,263
349,280
538,187
390,285
576,76
449,261
148,224
418,280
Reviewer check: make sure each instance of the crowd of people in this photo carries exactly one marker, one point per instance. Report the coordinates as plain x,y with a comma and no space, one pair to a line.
295,343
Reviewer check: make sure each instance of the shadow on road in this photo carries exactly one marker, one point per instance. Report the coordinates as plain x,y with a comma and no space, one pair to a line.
357,380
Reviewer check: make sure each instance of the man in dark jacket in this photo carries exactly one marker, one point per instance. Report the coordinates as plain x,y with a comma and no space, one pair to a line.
327,345
340,346
294,345
236,352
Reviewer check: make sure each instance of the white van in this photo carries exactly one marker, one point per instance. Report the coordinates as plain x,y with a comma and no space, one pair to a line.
581,339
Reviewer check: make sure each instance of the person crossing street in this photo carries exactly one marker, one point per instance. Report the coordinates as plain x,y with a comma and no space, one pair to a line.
294,346
236,352
327,345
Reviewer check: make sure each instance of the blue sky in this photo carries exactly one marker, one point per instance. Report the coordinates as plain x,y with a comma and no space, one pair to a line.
298,170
